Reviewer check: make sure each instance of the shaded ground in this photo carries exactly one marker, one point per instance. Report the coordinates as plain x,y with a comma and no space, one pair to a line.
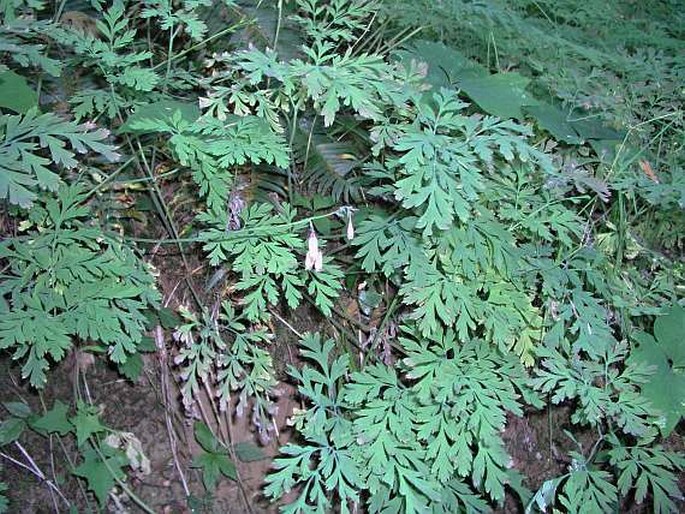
135,408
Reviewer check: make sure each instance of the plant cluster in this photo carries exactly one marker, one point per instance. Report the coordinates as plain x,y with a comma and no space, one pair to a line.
501,222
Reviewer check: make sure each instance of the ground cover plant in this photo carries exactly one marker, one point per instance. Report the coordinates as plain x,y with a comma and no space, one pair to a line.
374,237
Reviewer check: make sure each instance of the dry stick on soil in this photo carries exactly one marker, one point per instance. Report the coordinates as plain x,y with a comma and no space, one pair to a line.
95,444
206,418
50,483
288,325
231,450
228,427
33,468
168,395
164,379
64,449
67,456
52,465
52,449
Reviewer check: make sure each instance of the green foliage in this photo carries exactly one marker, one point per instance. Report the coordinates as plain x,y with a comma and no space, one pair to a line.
328,166
112,53
4,503
213,460
171,18
101,469
16,94
450,237
647,468
263,255
54,421
616,397
67,280
19,35
407,443
327,80
225,352
209,147
577,55
475,228
577,51
516,232
325,463
25,171
12,428
665,353
443,154
103,463
587,490
336,22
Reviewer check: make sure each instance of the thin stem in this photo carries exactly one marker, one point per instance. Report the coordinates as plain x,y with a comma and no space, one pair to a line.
384,322
399,40
237,235
34,470
59,11
164,379
121,483
170,50
278,23
167,216
284,322
549,427
110,177
200,44
293,129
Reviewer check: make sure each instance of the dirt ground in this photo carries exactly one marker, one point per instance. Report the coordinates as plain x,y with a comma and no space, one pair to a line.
137,408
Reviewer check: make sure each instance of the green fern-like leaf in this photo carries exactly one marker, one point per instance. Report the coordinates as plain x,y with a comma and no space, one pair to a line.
324,463
20,36
112,52
212,148
186,16
231,355
69,282
645,468
444,157
462,432
25,139
588,490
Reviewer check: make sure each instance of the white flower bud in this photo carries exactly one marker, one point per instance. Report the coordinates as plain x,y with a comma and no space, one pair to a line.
314,257
350,227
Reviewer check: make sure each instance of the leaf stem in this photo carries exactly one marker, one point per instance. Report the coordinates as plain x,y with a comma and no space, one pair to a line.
237,235
136,499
